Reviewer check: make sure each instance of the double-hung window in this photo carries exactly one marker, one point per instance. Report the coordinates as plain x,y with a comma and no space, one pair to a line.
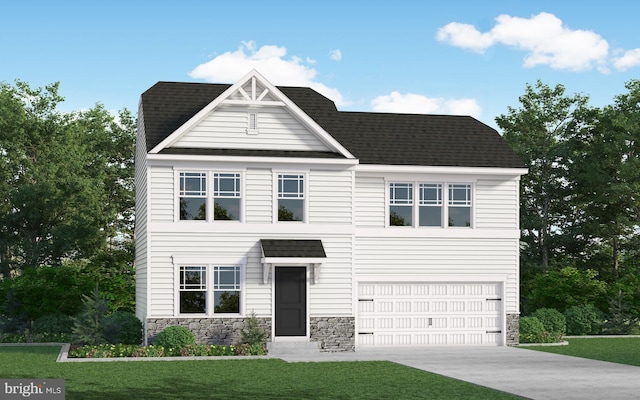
220,296
193,195
203,191
291,197
226,196
459,205
430,210
425,206
193,289
400,204
226,289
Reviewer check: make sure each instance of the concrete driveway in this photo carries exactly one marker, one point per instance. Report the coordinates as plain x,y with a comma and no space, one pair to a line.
526,373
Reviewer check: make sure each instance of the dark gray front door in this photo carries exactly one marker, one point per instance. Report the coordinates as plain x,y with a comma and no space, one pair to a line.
291,301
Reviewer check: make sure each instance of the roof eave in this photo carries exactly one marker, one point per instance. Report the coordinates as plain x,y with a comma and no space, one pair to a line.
457,170
163,158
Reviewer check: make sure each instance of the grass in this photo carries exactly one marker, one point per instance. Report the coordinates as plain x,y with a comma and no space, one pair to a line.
235,379
617,350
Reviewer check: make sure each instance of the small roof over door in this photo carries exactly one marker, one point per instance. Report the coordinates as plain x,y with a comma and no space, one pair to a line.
292,252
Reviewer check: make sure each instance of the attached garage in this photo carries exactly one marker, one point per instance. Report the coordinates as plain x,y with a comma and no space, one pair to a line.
430,313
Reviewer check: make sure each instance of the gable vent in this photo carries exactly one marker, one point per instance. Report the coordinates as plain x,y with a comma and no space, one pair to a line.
252,121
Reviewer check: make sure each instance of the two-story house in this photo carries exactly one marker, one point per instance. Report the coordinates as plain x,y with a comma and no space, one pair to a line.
348,229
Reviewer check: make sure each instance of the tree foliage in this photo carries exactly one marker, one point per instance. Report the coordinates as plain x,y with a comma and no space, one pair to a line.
580,201
567,287
538,132
66,179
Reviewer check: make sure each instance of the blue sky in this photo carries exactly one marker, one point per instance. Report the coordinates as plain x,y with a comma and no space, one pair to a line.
460,57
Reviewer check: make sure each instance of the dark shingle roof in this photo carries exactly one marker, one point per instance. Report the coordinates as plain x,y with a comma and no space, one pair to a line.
373,138
292,248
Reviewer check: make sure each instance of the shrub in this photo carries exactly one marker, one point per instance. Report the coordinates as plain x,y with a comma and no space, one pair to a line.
122,327
45,290
553,321
173,338
531,330
13,325
583,320
52,324
88,326
255,349
252,333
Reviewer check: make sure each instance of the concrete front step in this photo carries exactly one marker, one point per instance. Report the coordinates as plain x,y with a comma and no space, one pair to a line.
283,348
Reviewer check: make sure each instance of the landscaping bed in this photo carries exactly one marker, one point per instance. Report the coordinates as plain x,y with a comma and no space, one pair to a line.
192,350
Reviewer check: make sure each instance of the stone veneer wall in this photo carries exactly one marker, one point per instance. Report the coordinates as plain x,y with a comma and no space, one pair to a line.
206,330
513,329
333,333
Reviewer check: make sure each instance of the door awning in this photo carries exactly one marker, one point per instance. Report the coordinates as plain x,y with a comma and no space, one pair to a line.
291,252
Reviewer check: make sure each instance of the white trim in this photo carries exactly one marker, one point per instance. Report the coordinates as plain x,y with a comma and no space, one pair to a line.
293,261
417,169
439,278
269,262
163,159
233,227
436,233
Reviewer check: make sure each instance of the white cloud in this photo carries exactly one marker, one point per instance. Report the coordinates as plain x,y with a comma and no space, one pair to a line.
543,37
628,60
397,102
335,55
269,61
465,36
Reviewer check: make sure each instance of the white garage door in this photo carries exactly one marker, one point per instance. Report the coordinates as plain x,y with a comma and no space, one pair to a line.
419,314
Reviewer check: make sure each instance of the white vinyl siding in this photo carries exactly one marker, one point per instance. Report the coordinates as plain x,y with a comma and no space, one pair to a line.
331,295
497,204
161,194
369,201
330,197
226,127
428,257
259,196
141,219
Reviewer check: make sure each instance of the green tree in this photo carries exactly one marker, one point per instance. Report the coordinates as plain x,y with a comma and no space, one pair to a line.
605,180
564,288
538,132
65,179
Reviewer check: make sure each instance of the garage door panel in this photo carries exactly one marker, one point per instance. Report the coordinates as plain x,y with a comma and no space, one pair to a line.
404,314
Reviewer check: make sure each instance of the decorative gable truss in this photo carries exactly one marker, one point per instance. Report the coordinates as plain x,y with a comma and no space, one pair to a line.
253,114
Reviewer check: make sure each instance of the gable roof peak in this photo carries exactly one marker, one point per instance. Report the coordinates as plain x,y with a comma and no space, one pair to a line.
253,89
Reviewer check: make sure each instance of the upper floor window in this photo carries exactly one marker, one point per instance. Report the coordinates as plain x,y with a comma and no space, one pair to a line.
226,196
427,207
400,204
430,210
198,195
459,205
193,195
291,197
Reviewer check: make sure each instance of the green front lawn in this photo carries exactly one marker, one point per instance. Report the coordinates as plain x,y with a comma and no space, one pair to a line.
235,379
617,350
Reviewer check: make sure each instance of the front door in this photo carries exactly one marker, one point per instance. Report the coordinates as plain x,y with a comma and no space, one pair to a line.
291,301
